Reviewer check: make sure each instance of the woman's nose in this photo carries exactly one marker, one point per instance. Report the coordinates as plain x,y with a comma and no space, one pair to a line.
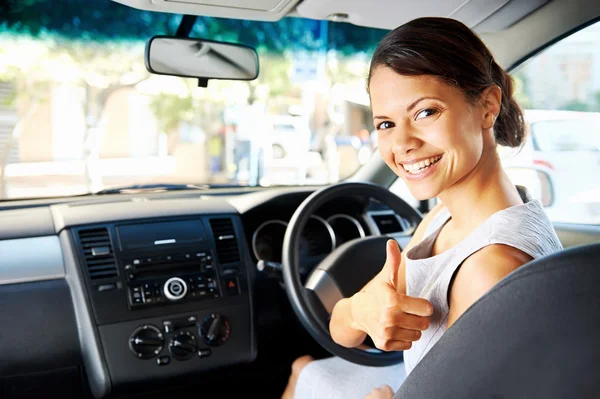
405,141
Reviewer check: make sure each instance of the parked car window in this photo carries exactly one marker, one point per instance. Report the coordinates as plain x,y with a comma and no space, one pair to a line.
559,90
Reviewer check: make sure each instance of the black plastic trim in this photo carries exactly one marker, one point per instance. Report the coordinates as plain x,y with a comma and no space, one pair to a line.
557,39
38,328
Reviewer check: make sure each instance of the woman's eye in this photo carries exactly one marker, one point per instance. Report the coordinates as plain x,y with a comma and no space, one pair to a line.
385,125
425,113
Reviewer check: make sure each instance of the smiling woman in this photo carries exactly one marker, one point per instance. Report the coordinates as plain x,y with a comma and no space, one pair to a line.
441,106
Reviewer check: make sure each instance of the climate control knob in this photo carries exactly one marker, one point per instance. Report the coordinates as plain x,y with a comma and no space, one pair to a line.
146,342
215,329
183,345
175,289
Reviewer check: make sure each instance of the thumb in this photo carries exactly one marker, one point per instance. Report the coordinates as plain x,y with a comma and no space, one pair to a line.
392,262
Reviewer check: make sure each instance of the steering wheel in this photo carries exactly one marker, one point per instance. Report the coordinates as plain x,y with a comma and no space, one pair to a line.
343,272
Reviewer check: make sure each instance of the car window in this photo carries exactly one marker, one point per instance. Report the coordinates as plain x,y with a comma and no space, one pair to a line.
559,90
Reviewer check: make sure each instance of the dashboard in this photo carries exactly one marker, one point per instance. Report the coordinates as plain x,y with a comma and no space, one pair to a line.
157,286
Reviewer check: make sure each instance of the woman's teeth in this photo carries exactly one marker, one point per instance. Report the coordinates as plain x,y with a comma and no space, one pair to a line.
418,166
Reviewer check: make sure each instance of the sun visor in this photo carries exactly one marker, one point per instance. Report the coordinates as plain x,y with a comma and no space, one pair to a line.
479,15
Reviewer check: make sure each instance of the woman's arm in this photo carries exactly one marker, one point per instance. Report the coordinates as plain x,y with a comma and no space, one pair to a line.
479,273
344,329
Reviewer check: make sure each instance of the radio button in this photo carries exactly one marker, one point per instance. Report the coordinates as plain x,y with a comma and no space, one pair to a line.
163,360
175,288
204,352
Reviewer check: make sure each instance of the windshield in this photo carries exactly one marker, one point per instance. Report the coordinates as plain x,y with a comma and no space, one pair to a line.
80,113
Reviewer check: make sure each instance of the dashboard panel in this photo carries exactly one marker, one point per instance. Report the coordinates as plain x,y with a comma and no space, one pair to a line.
159,286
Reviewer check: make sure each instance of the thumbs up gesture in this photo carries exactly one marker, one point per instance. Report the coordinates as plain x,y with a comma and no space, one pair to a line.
392,320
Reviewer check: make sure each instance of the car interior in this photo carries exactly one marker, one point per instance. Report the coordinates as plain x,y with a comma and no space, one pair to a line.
171,290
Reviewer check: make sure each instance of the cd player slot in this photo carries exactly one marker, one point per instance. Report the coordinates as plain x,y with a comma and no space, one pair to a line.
168,269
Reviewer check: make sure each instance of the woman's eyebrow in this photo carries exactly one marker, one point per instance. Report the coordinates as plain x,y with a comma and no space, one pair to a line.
411,106
418,100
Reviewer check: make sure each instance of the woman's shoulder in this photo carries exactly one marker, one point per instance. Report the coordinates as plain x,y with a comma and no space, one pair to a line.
479,273
526,227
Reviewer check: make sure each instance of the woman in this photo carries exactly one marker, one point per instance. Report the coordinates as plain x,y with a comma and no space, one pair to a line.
441,105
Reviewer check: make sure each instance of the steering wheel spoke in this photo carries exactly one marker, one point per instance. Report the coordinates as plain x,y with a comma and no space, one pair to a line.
325,288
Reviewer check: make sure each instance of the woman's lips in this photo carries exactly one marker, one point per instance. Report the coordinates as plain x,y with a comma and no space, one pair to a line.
422,173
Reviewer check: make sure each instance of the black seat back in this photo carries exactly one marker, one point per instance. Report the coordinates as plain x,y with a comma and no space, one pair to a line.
535,335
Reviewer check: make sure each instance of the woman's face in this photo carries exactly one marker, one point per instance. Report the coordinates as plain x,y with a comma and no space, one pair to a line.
428,132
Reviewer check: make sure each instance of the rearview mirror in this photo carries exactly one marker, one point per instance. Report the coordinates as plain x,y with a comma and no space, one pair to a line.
199,58
537,182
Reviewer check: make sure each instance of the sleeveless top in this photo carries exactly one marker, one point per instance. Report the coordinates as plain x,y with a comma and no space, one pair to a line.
524,226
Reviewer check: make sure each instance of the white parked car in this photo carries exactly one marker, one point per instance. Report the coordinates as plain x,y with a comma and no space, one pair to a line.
290,145
555,139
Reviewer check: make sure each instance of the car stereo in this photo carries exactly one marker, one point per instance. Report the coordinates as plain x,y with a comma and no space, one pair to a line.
176,277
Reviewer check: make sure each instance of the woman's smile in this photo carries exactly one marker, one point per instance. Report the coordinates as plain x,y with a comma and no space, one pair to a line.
420,168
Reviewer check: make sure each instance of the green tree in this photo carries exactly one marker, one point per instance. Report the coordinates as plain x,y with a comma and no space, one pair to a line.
576,105
108,20
521,89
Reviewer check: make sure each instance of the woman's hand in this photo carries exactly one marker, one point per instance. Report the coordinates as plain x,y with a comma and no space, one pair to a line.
384,392
392,320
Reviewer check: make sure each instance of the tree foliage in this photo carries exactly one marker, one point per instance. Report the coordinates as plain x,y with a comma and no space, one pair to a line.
105,20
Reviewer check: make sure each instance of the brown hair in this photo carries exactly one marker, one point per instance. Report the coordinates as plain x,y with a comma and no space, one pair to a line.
447,49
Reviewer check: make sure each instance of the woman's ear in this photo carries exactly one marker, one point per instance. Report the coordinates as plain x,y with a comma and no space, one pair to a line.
491,101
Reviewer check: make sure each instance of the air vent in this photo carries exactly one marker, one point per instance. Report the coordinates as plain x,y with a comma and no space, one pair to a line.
388,223
98,253
227,247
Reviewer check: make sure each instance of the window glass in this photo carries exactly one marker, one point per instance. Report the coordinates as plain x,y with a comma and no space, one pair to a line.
559,162
79,111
